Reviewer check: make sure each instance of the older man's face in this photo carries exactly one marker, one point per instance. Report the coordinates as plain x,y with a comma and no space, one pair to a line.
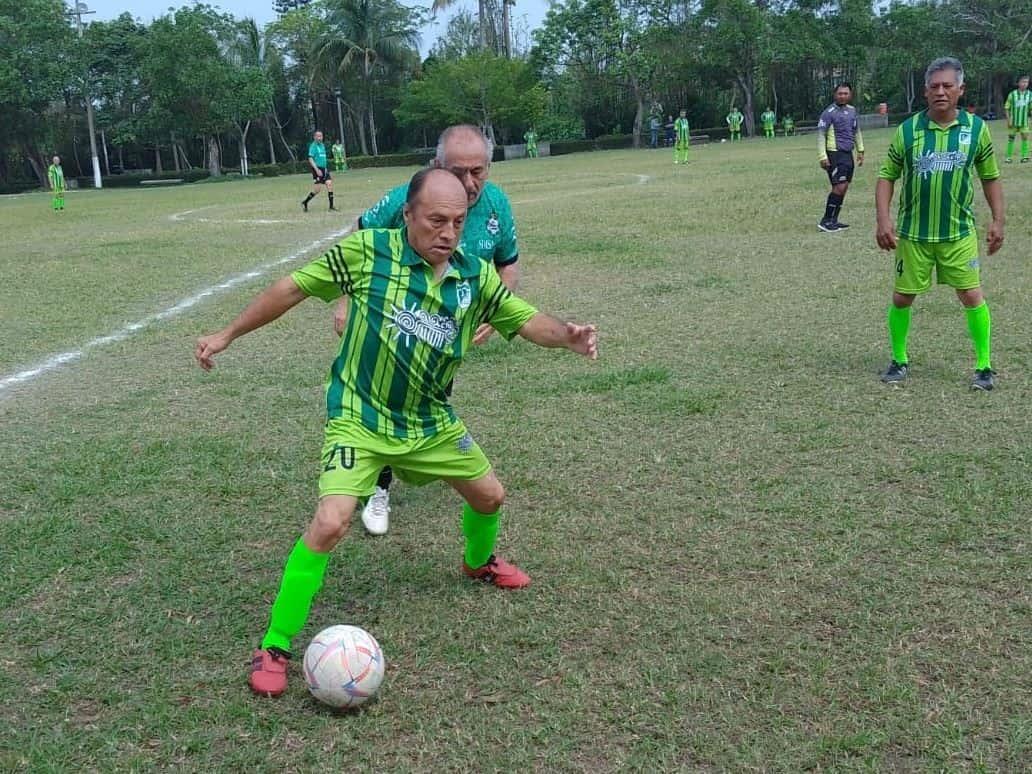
435,219
465,156
318,136
944,89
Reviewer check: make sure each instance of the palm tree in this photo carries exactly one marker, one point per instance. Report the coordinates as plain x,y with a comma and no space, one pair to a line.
368,37
252,47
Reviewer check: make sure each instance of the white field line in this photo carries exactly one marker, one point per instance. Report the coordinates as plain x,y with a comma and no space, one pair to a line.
56,361
179,217
63,358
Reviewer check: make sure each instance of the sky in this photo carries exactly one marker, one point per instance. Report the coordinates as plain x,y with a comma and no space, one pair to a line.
527,14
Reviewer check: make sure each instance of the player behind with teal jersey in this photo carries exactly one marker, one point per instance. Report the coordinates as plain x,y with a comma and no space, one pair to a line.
682,138
55,176
734,121
416,303
489,234
530,137
769,121
1017,108
320,171
934,153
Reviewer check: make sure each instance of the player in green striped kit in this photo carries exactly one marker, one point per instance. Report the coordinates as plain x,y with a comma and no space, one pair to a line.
934,153
734,121
682,138
788,125
769,121
57,183
1017,108
416,303
530,138
340,162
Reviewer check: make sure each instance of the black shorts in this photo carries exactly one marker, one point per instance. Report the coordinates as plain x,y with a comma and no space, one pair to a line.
840,167
322,176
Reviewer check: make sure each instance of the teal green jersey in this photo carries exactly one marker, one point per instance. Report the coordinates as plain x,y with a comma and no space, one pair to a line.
935,163
681,130
769,119
1017,105
56,177
734,120
317,153
406,332
490,231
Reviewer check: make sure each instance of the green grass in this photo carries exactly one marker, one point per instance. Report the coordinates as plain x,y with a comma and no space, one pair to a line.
748,553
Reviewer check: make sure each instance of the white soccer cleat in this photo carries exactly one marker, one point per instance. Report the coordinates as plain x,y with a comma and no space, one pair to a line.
377,512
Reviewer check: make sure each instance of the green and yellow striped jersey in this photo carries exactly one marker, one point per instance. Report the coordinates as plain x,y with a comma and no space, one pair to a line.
734,120
1017,105
935,163
56,176
682,131
406,333
768,118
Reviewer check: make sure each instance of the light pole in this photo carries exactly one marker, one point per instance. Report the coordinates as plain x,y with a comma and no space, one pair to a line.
80,10
340,125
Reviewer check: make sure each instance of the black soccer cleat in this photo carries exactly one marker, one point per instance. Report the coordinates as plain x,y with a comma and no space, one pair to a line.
839,225
896,373
304,206
984,380
828,226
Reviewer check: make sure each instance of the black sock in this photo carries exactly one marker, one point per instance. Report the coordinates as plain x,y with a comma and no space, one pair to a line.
330,194
309,198
832,207
385,479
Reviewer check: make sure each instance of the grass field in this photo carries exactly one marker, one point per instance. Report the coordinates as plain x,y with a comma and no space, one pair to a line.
748,554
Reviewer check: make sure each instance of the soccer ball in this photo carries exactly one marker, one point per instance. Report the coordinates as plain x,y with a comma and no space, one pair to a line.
723,139
344,666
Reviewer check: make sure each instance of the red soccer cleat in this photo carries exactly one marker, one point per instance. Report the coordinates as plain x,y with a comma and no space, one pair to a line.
268,672
500,573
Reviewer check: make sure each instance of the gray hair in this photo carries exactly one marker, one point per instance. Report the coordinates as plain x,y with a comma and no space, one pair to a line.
469,128
945,63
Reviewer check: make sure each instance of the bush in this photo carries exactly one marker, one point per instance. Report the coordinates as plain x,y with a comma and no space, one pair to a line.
611,141
557,128
20,187
265,170
562,147
131,179
417,159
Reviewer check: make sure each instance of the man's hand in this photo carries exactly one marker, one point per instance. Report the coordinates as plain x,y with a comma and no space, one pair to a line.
208,347
483,334
885,234
994,237
582,339
860,159
825,164
340,316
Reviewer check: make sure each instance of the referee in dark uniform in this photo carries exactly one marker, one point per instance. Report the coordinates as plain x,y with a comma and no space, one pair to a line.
838,135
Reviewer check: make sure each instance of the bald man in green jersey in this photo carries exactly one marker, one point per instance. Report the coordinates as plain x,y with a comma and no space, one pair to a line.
416,303
935,153
682,138
55,175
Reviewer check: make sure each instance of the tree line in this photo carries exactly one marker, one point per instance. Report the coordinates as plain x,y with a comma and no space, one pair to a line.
199,88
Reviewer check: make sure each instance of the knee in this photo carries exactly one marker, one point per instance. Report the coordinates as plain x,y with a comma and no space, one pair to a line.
490,500
970,298
330,523
902,300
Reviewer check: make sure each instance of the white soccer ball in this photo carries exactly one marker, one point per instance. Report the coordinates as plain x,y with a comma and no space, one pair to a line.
723,139
344,666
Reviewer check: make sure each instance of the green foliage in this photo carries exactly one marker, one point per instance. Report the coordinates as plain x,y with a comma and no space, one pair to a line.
133,179
560,127
479,89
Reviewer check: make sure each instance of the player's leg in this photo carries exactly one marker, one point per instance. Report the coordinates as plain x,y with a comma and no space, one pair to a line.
328,181
60,200
376,513
1010,146
914,262
1024,147
958,267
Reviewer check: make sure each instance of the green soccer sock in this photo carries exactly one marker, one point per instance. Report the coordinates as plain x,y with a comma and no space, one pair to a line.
980,326
302,579
1010,145
481,531
1024,147
899,328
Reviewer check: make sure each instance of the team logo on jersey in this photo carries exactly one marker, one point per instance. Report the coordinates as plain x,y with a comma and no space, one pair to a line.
930,162
493,227
965,137
465,294
436,330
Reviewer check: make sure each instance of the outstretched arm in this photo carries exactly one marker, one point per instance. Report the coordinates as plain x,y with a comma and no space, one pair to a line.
546,331
272,302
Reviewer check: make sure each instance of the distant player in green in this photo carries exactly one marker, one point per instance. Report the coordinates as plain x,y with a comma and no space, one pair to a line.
340,163
530,137
682,139
1017,108
320,171
788,125
57,183
769,121
934,153
734,123
416,303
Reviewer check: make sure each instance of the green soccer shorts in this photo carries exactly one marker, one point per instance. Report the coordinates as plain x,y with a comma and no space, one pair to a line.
956,264
353,456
